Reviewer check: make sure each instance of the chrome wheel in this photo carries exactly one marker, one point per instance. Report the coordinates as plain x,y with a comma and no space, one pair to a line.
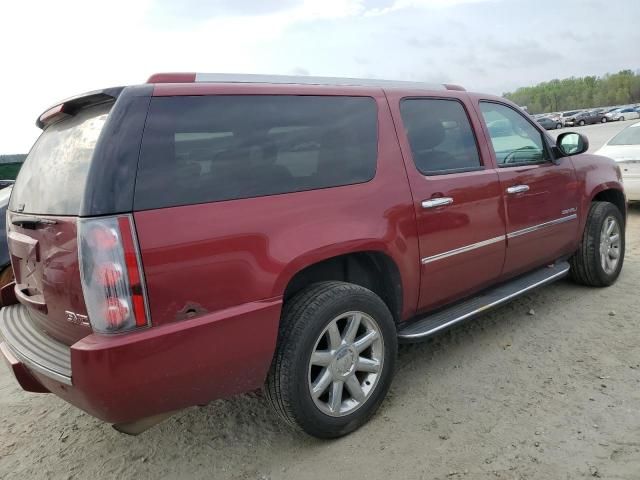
346,363
610,244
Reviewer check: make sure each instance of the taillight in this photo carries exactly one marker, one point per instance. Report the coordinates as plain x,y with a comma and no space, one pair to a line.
111,273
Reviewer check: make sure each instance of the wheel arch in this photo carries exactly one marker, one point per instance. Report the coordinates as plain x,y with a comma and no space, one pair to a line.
612,195
373,269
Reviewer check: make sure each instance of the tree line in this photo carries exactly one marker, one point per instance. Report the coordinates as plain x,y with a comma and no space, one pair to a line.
579,92
16,158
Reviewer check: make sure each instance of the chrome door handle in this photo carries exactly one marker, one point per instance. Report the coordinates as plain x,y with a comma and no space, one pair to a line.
518,189
437,202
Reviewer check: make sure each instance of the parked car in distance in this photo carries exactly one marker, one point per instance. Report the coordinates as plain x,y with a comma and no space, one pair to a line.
549,124
624,148
622,114
6,272
203,235
567,115
585,118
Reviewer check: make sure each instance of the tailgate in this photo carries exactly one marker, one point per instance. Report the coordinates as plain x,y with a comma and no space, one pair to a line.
44,254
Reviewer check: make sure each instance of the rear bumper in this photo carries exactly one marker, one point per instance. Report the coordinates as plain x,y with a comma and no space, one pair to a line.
123,378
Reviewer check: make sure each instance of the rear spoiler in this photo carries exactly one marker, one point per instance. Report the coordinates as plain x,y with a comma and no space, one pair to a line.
72,105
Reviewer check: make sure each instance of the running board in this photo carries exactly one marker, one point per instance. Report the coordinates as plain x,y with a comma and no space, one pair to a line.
426,326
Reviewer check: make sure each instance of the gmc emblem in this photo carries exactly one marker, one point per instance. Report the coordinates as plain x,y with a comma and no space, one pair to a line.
76,318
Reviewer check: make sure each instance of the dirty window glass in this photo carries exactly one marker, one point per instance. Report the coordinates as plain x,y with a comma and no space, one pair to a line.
53,177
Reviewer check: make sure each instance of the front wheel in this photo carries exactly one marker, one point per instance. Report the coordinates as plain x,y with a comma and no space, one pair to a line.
334,360
621,119
600,255
604,120
558,126
581,123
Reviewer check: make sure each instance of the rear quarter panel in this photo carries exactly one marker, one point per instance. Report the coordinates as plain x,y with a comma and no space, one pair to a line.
203,258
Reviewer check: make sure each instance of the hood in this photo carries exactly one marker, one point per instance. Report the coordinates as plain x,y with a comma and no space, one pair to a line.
620,152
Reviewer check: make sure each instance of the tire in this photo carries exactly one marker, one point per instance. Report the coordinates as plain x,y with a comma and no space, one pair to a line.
304,329
558,126
581,123
604,120
621,119
588,262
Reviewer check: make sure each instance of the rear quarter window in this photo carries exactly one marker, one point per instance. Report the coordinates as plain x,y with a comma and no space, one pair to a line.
213,148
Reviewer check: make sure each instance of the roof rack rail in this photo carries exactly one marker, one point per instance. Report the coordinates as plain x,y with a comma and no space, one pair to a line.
191,77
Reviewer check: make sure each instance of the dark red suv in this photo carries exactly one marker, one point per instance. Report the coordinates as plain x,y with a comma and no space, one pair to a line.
204,235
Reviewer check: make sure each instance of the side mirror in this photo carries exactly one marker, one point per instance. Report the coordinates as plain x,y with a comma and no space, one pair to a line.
571,143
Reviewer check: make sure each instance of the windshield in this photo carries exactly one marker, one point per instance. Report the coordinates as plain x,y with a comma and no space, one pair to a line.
52,180
629,136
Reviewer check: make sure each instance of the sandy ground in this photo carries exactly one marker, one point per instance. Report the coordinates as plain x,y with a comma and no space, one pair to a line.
547,387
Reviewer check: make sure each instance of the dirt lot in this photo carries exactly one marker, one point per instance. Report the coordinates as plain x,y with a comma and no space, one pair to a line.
551,394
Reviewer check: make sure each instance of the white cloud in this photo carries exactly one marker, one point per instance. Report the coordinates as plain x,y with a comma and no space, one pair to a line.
51,50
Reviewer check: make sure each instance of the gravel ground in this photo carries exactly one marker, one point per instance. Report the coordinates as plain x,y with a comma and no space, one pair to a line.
547,387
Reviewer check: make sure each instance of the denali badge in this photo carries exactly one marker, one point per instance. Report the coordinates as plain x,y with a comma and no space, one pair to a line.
76,318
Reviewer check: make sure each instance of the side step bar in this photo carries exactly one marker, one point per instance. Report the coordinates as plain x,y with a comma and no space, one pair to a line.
423,327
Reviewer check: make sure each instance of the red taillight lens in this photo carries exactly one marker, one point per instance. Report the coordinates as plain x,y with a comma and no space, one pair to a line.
116,312
102,238
108,274
111,272
131,261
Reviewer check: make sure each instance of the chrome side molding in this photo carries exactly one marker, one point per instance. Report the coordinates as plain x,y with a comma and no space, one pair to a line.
540,226
464,249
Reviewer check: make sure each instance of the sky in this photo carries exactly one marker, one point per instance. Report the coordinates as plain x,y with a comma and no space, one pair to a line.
52,50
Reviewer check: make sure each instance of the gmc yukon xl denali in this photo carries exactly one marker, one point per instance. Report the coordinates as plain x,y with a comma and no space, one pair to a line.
205,235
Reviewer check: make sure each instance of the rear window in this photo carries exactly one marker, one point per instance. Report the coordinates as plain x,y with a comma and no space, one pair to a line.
53,177
213,148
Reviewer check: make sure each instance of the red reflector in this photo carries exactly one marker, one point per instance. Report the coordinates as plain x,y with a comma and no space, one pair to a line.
133,273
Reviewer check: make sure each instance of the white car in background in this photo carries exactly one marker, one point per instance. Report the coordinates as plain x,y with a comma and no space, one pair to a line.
628,113
624,148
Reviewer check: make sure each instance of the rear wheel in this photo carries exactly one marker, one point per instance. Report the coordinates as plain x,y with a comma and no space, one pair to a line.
558,126
621,119
334,360
600,256
581,123
604,120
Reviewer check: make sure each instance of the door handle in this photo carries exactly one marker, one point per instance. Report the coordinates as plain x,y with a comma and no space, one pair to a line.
437,202
517,189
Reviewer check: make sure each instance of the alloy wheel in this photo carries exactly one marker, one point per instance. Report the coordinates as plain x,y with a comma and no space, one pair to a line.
346,363
610,244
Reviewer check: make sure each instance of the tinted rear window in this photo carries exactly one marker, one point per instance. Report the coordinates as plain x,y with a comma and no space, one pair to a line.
53,177
212,148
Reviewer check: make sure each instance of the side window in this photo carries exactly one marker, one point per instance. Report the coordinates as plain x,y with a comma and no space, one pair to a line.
515,141
440,135
198,149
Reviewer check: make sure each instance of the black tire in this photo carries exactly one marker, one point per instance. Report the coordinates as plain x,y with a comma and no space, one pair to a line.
586,267
621,119
304,319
